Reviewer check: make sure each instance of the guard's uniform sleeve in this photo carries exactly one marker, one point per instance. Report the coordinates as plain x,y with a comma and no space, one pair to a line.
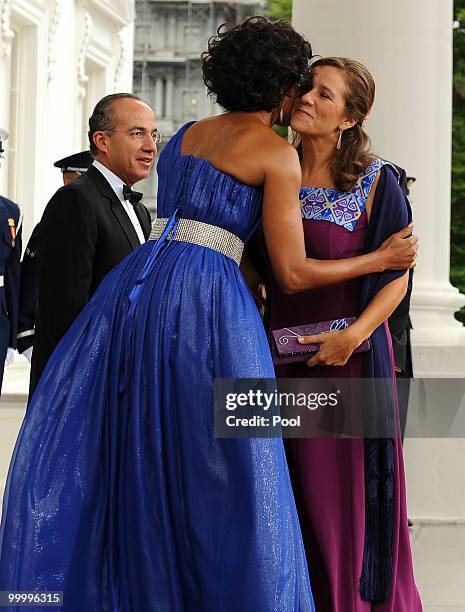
28,295
13,272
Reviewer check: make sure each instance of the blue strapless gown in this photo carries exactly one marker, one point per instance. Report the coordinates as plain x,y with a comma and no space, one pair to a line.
118,494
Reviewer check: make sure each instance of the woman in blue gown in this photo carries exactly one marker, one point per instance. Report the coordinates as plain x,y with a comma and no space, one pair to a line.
118,494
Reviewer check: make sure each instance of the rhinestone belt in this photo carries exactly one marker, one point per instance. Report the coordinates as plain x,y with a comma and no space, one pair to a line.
202,234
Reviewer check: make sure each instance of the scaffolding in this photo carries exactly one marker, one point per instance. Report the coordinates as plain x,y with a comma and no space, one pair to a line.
169,38
196,12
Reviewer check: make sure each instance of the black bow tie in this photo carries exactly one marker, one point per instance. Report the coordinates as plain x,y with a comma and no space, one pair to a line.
131,196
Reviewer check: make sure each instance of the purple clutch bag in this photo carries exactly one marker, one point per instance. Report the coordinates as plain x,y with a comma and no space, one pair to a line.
286,349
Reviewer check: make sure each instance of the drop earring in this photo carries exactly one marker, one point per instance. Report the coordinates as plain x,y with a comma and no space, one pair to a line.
281,116
339,142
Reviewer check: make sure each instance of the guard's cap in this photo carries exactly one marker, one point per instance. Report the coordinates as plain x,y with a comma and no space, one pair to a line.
79,162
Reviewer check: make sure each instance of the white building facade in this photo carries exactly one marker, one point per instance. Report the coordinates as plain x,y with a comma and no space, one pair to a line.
57,58
169,38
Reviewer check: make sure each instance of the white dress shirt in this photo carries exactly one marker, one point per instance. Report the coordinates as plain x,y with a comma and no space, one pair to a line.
117,186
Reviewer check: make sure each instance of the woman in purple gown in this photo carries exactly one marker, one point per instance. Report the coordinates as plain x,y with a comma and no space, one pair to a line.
350,492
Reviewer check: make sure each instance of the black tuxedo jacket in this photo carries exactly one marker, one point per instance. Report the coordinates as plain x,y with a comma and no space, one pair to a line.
83,234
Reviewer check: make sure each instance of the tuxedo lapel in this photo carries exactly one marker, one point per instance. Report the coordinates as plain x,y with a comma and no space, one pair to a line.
144,221
125,222
115,205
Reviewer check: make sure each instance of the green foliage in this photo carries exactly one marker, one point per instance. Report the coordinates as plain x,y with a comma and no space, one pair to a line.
457,255
281,130
280,9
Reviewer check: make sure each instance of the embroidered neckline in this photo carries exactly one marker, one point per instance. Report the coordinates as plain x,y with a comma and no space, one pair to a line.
341,207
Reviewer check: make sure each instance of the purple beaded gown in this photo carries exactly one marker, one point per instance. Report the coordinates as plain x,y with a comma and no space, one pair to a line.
328,474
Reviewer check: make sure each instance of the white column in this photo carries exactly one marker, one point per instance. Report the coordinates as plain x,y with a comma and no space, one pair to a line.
169,100
4,116
408,48
220,17
159,97
6,43
171,30
159,31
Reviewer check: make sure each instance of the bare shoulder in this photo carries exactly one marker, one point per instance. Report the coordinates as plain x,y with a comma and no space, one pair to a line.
247,150
201,134
205,124
280,156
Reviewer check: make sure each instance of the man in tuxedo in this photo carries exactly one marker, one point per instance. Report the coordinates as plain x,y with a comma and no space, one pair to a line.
95,221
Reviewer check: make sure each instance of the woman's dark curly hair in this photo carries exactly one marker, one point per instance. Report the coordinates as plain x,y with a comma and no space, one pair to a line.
251,67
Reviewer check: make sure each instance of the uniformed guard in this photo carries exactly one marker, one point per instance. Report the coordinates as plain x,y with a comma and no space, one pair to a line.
71,167
10,256
74,165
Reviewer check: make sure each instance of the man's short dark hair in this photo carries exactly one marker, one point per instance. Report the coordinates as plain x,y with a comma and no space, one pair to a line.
102,117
